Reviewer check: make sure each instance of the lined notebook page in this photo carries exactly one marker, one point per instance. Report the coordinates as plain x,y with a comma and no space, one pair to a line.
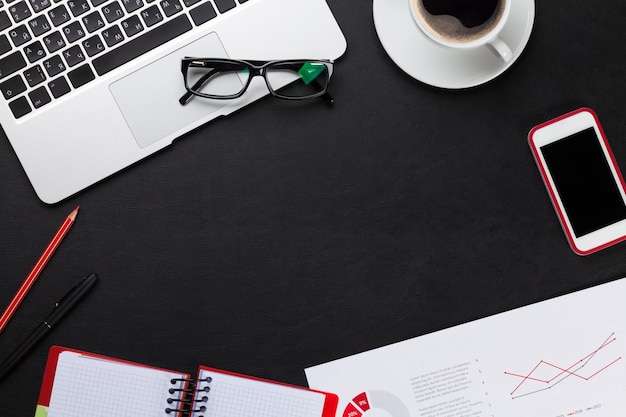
87,386
234,396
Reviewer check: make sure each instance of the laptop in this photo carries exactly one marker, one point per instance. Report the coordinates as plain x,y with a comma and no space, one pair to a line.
90,87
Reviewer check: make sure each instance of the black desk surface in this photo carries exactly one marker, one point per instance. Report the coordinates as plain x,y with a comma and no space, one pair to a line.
289,235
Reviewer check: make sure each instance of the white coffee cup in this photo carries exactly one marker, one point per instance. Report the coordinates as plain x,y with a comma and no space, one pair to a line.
448,31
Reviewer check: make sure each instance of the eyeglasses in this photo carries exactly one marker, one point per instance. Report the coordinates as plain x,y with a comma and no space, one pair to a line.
218,78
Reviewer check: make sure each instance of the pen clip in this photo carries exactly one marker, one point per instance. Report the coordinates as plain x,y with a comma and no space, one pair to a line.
68,300
68,294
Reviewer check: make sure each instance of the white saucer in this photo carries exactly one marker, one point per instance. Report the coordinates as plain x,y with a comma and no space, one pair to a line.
441,67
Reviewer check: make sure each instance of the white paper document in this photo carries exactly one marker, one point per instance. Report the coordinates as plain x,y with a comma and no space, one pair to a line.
558,358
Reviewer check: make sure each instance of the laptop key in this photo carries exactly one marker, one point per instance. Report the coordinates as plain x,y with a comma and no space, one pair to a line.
20,107
20,11
81,76
78,7
5,46
39,5
59,87
39,25
20,35
93,45
142,44
93,21
132,26
73,32
12,87
34,75
5,22
132,5
59,15
54,41
112,35
11,63
171,7
34,51
39,97
203,13
73,55
151,16
54,65
113,12
224,5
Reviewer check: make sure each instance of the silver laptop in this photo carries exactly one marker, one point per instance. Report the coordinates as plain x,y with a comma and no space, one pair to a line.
90,87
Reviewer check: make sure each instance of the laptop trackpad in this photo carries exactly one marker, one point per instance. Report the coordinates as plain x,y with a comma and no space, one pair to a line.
148,98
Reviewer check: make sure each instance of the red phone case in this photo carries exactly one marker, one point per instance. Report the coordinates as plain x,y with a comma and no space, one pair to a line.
552,192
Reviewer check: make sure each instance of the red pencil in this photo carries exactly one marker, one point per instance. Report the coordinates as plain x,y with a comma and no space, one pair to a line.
43,260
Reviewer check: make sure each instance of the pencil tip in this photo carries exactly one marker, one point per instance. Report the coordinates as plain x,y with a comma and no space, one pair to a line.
73,214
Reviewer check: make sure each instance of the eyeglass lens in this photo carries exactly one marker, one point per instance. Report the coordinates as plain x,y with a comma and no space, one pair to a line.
223,79
297,79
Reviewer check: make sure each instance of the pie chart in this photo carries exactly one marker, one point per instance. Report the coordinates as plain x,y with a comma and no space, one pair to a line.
376,403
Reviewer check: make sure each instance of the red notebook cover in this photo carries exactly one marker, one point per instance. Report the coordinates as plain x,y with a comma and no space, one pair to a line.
85,384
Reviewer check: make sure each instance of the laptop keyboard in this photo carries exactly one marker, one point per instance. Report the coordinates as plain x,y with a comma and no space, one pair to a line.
50,47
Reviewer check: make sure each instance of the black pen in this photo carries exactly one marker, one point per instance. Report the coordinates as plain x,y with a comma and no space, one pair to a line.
61,308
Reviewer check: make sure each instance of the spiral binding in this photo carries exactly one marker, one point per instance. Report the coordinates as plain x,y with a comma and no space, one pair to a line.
189,402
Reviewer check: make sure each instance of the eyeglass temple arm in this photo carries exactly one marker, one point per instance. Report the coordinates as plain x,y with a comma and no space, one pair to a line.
184,99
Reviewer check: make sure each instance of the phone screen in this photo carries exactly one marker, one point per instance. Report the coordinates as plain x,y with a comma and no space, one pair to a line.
584,181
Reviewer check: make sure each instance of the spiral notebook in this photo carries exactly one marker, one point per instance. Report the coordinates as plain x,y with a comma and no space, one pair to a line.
82,384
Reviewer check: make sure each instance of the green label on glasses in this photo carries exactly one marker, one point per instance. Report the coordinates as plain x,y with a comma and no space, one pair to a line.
310,71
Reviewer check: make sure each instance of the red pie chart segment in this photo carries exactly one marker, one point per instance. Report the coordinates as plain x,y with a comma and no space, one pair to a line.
351,411
361,401
376,399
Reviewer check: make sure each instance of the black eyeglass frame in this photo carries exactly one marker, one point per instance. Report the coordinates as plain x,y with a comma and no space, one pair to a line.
255,68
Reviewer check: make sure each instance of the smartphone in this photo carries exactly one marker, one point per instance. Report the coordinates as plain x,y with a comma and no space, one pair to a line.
582,179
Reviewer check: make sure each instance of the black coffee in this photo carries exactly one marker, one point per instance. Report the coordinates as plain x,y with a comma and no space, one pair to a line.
460,21
471,13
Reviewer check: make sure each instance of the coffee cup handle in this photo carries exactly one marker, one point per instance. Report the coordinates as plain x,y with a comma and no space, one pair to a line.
501,49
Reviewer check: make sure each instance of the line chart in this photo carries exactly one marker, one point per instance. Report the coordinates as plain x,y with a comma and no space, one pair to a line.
546,375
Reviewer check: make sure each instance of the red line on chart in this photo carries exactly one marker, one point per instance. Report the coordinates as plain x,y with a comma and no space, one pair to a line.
561,373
